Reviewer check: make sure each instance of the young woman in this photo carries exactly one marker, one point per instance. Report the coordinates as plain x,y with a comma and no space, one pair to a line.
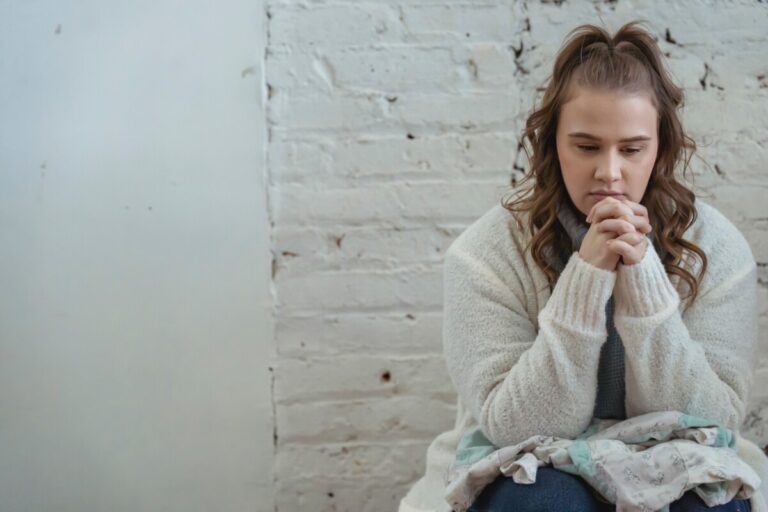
604,290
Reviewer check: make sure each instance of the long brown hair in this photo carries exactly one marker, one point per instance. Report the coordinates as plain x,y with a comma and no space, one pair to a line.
630,61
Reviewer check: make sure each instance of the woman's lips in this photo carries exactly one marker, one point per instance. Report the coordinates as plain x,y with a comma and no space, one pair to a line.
603,196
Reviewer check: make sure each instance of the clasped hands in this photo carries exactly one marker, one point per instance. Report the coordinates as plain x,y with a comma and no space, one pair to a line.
629,220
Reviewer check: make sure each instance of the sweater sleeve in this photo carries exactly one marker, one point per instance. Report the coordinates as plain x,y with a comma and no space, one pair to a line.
515,381
698,363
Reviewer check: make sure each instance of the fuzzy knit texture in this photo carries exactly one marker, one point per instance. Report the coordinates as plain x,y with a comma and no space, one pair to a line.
609,402
525,361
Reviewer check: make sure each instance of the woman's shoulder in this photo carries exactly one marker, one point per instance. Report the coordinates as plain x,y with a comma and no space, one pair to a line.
488,257
729,255
497,231
718,236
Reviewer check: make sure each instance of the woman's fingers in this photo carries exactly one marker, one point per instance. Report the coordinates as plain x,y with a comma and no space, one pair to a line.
618,226
609,207
633,238
637,208
630,246
641,220
633,213
623,249
641,224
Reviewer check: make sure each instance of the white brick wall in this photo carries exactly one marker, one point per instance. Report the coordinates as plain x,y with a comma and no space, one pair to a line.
393,125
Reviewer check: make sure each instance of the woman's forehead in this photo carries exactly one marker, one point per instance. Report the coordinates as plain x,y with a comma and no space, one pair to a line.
611,113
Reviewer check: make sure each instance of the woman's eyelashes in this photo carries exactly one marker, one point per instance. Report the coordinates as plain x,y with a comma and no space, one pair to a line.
629,151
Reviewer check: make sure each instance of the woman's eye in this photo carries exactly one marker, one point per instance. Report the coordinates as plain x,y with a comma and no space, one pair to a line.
631,151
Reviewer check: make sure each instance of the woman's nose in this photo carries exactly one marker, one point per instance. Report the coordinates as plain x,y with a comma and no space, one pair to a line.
608,167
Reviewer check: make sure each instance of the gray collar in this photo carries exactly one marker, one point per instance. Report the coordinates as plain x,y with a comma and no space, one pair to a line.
576,229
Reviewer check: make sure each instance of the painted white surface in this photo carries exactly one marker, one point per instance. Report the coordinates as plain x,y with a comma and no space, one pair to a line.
135,312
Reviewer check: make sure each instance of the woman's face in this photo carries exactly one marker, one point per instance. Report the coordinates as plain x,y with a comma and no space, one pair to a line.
606,141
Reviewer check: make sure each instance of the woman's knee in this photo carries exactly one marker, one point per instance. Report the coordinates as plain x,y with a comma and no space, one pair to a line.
691,502
553,490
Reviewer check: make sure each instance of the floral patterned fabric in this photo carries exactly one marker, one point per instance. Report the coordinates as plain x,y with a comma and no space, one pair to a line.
641,464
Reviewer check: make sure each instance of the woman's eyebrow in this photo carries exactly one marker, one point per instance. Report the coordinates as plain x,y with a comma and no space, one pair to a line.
585,135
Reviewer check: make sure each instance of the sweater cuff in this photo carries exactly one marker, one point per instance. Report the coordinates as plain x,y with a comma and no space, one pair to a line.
643,289
580,295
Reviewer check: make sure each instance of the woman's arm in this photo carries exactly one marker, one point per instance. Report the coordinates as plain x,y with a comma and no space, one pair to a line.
517,382
699,363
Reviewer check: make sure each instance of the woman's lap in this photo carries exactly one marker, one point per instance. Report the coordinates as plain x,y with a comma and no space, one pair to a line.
690,502
561,491
553,488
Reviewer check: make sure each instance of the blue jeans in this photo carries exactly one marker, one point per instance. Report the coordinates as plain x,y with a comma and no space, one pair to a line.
556,490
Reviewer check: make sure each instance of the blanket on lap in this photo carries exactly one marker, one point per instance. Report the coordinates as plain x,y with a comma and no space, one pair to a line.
641,464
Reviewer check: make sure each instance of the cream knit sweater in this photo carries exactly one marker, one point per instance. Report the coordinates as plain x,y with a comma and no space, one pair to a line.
525,363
